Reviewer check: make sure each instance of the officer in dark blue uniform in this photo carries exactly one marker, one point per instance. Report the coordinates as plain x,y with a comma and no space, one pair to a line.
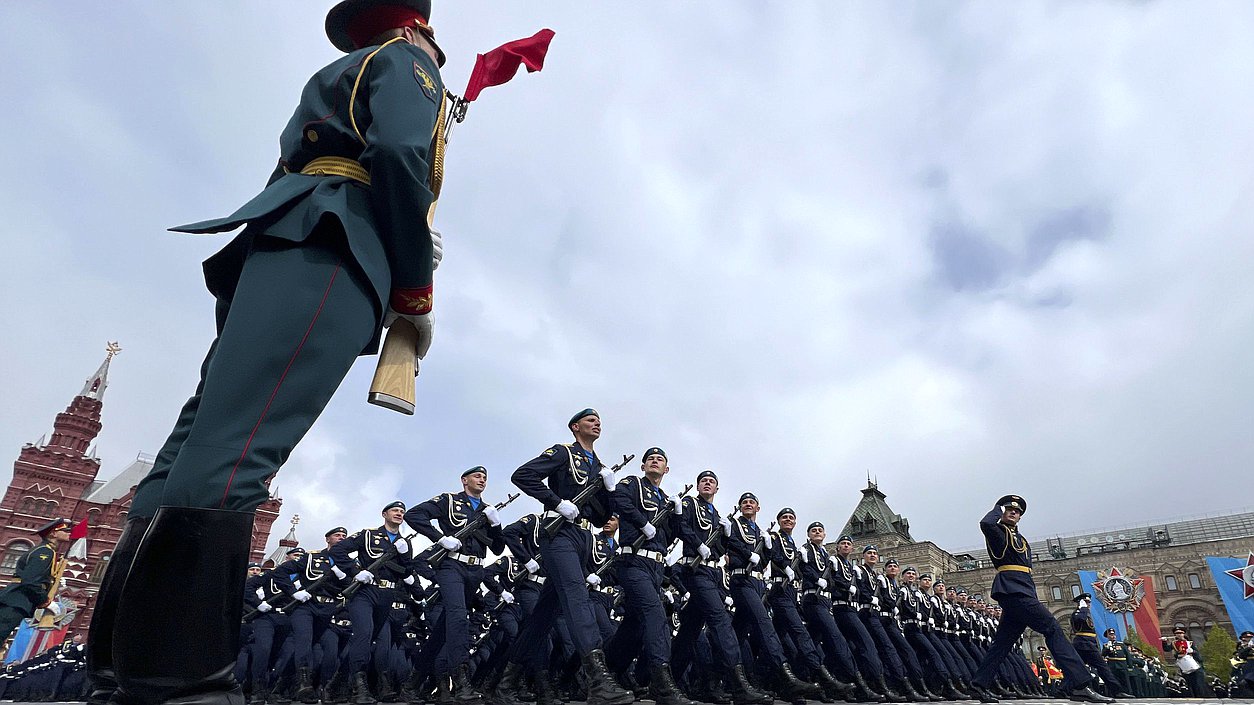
389,553
913,613
888,590
1084,639
271,625
702,530
567,469
869,605
846,601
640,569
1015,591
459,575
748,556
315,593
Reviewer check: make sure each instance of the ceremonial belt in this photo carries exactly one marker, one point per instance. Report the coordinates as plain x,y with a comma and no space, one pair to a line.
645,553
604,589
324,598
841,603
463,558
695,561
910,621
747,571
337,166
886,614
342,622
1093,634
399,606
816,591
537,579
1116,658
1016,568
385,584
581,522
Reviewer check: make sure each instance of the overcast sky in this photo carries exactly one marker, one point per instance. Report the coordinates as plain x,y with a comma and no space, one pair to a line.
969,249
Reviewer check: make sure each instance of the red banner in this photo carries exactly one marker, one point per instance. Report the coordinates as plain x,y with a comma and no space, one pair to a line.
499,65
1146,616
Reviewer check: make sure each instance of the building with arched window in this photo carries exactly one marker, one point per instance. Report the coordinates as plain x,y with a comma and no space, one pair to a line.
60,477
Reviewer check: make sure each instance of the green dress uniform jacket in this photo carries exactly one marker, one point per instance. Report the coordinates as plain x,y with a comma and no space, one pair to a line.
34,574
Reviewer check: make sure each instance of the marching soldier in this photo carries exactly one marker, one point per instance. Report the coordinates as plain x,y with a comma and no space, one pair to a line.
315,593
459,575
639,500
272,590
1116,654
888,591
568,470
38,576
335,247
1084,639
748,555
381,566
847,598
870,609
912,610
1016,593
1244,658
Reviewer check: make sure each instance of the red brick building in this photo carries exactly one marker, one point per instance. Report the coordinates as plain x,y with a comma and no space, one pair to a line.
59,478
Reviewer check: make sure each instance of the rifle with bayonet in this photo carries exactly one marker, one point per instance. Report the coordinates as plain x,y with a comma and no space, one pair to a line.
438,552
656,521
593,487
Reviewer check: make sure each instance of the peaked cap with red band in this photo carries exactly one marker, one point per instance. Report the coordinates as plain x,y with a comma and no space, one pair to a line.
353,23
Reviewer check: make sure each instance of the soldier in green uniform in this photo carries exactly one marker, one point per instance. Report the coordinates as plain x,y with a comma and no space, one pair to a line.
36,573
1116,654
337,246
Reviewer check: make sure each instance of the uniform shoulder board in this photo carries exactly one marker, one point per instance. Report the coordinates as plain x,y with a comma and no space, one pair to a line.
359,533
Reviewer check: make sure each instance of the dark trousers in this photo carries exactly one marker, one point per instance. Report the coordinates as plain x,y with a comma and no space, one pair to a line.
10,618
893,668
860,642
459,585
957,668
788,622
1020,612
819,619
1087,648
372,631
564,592
902,647
705,608
645,628
923,647
268,629
753,622
297,320
309,624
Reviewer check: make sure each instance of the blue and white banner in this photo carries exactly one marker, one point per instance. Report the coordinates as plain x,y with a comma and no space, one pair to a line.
1102,619
1235,579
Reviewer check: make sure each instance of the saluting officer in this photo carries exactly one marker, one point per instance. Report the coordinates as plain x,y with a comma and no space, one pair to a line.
459,575
567,469
1015,591
640,569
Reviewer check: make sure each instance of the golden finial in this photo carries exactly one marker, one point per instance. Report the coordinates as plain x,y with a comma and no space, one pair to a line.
295,520
112,349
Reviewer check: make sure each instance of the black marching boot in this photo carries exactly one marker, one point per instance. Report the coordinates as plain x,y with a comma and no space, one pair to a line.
742,692
863,692
602,690
175,641
305,691
506,690
949,692
1086,694
792,687
662,689
335,691
836,689
890,695
463,691
546,694
258,694
359,690
910,693
102,683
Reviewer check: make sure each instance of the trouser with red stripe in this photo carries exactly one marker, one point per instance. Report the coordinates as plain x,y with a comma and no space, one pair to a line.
300,315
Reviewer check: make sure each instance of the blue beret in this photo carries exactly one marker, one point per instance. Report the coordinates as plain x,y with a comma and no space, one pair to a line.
706,473
815,525
475,469
747,495
868,548
336,530
788,510
653,451
890,562
393,505
582,414
846,537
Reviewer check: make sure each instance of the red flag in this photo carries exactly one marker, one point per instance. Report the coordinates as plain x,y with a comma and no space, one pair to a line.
78,541
499,65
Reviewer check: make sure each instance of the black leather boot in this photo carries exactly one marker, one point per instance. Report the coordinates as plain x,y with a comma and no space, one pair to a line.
715,691
920,687
506,691
359,690
792,687
305,691
175,640
1088,695
662,689
546,694
890,695
742,692
863,692
335,691
102,683
602,690
258,694
836,689
443,690
949,692
463,691
908,690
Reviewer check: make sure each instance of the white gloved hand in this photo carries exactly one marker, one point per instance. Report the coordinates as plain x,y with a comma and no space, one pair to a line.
568,510
261,594
853,590
507,597
822,583
766,539
532,566
726,524
338,573
754,559
425,325
402,546
364,576
931,622
264,607
54,607
875,603
649,531
607,478
494,517
437,248
677,505
703,551
593,579
792,574
728,601
302,596
451,543
668,596
409,580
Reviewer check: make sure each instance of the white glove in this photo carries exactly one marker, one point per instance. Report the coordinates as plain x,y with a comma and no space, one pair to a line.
677,505
766,539
754,559
607,477
338,573
728,601
875,602
726,524
261,594
364,576
648,530
568,510
703,551
532,566
264,607
409,580
792,574
931,622
668,596
853,589
822,583
402,546
507,597
452,543
54,607
494,517
437,248
301,596
423,323
593,579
